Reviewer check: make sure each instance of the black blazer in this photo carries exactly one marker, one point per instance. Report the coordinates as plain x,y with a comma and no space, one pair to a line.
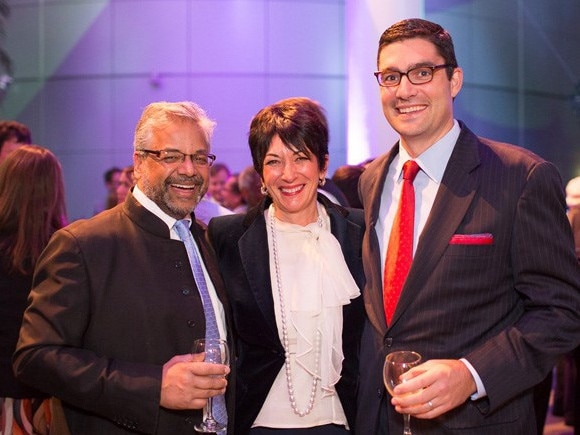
113,299
510,308
241,245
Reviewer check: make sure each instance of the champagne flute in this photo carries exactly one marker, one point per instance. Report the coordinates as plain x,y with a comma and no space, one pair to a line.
216,352
397,363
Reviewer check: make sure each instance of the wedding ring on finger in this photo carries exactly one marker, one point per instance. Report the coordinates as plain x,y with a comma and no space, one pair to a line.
430,404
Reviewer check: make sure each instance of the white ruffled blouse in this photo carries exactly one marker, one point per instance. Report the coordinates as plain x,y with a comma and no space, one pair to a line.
315,283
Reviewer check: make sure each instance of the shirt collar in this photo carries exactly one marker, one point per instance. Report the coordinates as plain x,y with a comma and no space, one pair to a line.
148,203
433,160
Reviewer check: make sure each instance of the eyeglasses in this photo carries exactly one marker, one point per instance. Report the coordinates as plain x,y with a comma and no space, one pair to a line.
173,157
417,76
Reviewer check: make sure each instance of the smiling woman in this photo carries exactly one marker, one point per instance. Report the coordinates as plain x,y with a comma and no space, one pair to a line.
306,283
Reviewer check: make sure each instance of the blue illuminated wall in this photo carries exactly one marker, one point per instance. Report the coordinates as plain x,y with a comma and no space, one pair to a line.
84,69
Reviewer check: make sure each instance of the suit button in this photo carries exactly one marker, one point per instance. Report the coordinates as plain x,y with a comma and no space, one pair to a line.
178,264
191,323
388,341
185,291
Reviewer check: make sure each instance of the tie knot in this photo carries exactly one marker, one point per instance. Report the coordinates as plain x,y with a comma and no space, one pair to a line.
182,228
410,170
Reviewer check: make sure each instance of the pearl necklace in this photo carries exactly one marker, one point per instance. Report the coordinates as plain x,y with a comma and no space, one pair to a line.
285,341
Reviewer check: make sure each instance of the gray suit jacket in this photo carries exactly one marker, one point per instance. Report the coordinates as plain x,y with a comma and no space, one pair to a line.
241,244
113,299
510,308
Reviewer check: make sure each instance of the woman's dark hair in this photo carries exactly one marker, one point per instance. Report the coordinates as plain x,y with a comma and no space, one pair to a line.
32,205
299,122
14,129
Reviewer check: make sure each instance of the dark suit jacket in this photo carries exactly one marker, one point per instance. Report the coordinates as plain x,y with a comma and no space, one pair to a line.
241,244
510,308
113,299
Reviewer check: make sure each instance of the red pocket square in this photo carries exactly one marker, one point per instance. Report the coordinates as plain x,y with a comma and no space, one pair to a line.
472,239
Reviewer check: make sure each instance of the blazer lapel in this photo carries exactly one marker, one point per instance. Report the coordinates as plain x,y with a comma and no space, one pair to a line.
454,197
255,257
373,295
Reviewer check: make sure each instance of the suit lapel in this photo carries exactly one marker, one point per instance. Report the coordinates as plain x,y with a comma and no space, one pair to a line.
255,257
373,295
453,199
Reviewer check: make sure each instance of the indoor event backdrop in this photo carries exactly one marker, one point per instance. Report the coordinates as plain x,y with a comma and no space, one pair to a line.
84,70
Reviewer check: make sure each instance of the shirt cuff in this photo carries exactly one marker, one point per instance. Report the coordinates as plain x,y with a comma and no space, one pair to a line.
480,393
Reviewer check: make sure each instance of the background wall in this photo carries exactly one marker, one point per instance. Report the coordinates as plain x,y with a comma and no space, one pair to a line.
84,70
521,63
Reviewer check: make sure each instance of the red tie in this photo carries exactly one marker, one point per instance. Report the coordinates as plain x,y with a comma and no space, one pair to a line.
400,250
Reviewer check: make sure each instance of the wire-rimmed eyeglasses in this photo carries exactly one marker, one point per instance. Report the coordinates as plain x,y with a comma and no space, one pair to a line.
417,76
173,157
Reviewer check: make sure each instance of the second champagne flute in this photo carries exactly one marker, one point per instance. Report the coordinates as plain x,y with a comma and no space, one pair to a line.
397,363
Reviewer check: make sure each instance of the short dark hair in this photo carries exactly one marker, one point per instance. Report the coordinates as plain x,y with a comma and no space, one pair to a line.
299,122
108,175
216,168
14,129
419,28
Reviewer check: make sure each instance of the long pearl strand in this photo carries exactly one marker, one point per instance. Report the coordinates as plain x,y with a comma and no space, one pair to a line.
285,341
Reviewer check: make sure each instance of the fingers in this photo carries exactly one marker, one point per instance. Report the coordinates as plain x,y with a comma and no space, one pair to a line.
433,388
208,369
425,409
175,360
188,385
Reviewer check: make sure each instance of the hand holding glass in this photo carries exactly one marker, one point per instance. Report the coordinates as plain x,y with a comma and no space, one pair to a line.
397,363
215,351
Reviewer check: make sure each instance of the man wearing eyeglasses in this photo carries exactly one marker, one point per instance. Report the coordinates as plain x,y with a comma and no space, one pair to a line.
480,277
115,308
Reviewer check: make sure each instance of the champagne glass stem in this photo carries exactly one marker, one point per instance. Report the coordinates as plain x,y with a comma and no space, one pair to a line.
407,420
209,419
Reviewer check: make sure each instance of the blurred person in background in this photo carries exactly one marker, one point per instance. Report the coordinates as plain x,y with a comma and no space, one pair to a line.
573,202
126,182
232,197
250,185
13,134
218,176
566,390
32,208
111,180
346,179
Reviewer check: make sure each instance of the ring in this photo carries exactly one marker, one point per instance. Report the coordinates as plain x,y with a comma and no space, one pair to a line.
430,404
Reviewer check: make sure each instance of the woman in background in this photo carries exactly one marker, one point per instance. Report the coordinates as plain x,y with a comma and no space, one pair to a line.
292,267
32,207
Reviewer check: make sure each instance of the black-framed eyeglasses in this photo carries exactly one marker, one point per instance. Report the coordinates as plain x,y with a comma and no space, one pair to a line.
417,76
173,157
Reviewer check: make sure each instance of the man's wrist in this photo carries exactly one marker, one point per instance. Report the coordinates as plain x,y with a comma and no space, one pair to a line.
478,390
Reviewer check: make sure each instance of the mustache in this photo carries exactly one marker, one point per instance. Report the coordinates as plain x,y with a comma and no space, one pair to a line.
195,180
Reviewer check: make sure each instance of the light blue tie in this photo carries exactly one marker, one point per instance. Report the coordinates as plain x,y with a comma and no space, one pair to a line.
211,328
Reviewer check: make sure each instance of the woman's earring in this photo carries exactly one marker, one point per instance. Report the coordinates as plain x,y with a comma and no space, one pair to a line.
264,190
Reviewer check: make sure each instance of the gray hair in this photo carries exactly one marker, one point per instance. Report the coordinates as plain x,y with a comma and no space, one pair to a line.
159,114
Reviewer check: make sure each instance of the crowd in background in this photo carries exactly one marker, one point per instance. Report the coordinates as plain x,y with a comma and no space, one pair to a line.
305,275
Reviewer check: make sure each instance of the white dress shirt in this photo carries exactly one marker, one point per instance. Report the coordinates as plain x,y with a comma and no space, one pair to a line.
170,222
